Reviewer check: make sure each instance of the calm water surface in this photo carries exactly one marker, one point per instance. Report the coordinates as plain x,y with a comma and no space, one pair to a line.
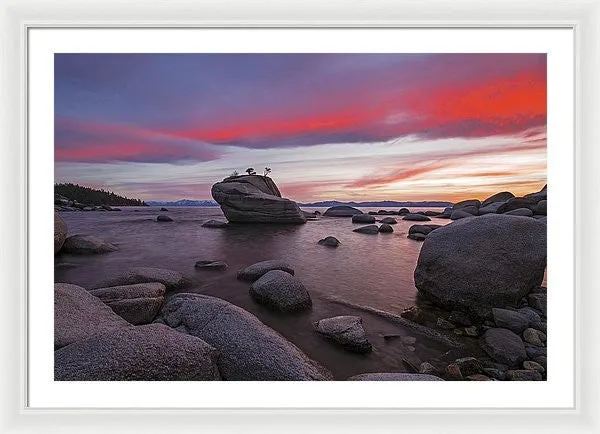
369,270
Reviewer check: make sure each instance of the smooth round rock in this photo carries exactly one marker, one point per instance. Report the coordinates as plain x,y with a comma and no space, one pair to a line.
363,218
248,349
329,241
87,245
475,264
214,224
508,319
281,291
164,218
254,271
137,304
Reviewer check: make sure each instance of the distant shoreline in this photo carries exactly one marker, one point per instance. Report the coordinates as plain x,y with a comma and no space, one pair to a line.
324,204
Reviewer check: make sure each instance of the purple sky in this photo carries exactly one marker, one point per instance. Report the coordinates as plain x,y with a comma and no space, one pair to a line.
331,126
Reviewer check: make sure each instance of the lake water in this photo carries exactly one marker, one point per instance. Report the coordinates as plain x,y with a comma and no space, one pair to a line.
367,270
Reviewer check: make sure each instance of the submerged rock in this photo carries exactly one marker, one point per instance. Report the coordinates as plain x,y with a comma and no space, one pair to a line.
214,224
60,232
342,211
78,315
476,264
371,229
171,279
394,376
87,245
137,304
255,271
164,218
248,349
346,331
255,199
151,352
281,291
329,241
416,217
212,265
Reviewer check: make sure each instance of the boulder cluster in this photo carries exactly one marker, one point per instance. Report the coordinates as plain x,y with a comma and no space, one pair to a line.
480,277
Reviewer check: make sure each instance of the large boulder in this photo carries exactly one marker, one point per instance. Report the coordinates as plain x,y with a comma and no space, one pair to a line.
171,279
78,315
60,232
385,228
503,346
255,199
346,331
281,291
151,352
484,262
87,245
138,304
498,197
363,218
342,211
394,376
248,349
255,271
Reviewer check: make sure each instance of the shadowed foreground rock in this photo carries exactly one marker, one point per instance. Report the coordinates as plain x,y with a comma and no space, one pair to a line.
255,199
483,262
151,352
394,376
255,271
60,232
137,304
79,315
171,279
87,245
248,349
281,291
346,331
503,346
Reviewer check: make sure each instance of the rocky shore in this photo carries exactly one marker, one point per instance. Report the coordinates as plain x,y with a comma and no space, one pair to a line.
478,279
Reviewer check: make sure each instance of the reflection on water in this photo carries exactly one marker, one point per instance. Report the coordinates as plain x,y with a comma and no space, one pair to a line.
372,270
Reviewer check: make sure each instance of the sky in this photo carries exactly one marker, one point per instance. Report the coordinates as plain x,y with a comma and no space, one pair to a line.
348,127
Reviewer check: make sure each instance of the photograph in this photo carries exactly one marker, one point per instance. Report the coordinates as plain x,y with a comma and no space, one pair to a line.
300,216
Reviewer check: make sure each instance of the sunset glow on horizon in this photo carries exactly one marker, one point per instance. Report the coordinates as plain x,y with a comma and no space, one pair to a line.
347,127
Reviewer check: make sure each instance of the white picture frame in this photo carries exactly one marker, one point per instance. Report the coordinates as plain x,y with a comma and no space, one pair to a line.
19,16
